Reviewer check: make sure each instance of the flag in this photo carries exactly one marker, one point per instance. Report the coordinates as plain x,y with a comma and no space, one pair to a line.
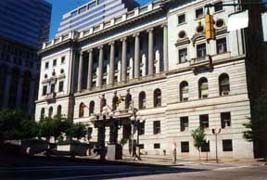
264,26
238,20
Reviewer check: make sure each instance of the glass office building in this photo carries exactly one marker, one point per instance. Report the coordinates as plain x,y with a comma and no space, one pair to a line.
92,13
25,21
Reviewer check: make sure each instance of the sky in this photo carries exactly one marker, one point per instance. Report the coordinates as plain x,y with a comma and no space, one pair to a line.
61,7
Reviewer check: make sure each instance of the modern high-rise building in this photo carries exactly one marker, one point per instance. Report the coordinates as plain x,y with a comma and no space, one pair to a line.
92,13
24,26
154,65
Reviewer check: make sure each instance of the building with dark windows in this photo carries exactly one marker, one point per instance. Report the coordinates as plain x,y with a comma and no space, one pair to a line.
154,64
24,26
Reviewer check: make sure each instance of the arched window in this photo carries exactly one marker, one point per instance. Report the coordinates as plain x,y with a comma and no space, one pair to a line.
142,100
184,91
157,98
224,84
50,112
91,108
203,88
42,113
81,110
59,109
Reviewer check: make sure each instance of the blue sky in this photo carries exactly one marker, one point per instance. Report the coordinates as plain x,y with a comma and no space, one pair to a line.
60,7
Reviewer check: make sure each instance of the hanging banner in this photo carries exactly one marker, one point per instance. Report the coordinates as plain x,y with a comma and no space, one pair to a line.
238,21
264,26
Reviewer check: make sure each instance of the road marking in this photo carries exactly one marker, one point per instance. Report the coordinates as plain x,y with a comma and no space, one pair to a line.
231,168
97,176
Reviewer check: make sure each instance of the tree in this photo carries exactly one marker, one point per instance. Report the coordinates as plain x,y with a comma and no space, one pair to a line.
28,129
47,127
76,131
199,138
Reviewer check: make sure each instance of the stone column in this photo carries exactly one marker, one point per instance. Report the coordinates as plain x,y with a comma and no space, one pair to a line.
165,47
112,63
123,60
80,72
19,90
100,67
137,56
7,87
90,69
150,52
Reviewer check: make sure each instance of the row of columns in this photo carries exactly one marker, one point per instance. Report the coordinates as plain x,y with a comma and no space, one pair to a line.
136,72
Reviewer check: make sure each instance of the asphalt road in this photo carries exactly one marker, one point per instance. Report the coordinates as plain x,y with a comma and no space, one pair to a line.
65,169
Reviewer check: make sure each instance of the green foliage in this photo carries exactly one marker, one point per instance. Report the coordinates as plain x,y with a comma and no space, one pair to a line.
28,129
124,141
76,131
199,138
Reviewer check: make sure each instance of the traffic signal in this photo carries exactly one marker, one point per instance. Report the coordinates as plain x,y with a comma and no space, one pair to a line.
209,27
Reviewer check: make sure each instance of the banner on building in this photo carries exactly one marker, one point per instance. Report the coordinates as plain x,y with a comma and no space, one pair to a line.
264,26
238,21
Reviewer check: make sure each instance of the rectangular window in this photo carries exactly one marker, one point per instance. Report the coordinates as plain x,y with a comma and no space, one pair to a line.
63,60
226,119
204,121
156,127
83,9
218,6
205,147
157,146
221,46
46,65
184,147
142,128
199,13
201,51
181,19
182,55
44,90
227,145
61,86
183,123
52,88
141,146
54,62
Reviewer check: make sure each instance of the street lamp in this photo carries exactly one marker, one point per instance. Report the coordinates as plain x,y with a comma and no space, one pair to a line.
216,132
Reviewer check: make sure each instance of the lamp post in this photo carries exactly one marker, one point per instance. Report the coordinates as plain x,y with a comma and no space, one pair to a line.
216,132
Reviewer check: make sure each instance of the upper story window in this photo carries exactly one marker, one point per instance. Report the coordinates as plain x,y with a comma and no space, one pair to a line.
221,46
91,108
50,112
142,128
42,113
184,123
184,91
182,55
224,85
203,88
218,6
83,9
157,98
199,13
61,86
54,62
142,100
91,5
74,13
181,19
52,90
156,127
46,65
59,109
225,119
44,92
204,121
63,59
201,51
81,110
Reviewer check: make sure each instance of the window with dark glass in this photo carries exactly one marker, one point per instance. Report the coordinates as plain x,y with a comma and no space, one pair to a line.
54,62
184,91
182,55
184,147
218,6
42,113
91,108
224,85
205,147
61,86
46,65
157,146
204,121
181,19
142,100
221,46
203,88
225,119
52,88
201,50
63,60
157,98
81,110
184,123
199,13
142,128
59,109
227,145
156,127
50,112
44,90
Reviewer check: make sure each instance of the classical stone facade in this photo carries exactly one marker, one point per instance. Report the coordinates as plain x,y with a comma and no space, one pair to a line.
177,80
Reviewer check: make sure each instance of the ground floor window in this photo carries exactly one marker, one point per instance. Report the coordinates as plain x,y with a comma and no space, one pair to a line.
205,147
156,146
184,147
227,145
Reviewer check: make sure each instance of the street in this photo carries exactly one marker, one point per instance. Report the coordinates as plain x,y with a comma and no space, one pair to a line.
65,169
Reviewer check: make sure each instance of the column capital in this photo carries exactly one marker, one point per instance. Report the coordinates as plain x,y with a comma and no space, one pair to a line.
111,43
150,29
100,47
90,50
164,25
123,39
136,34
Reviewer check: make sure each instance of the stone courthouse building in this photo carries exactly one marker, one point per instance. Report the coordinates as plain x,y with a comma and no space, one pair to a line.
155,59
